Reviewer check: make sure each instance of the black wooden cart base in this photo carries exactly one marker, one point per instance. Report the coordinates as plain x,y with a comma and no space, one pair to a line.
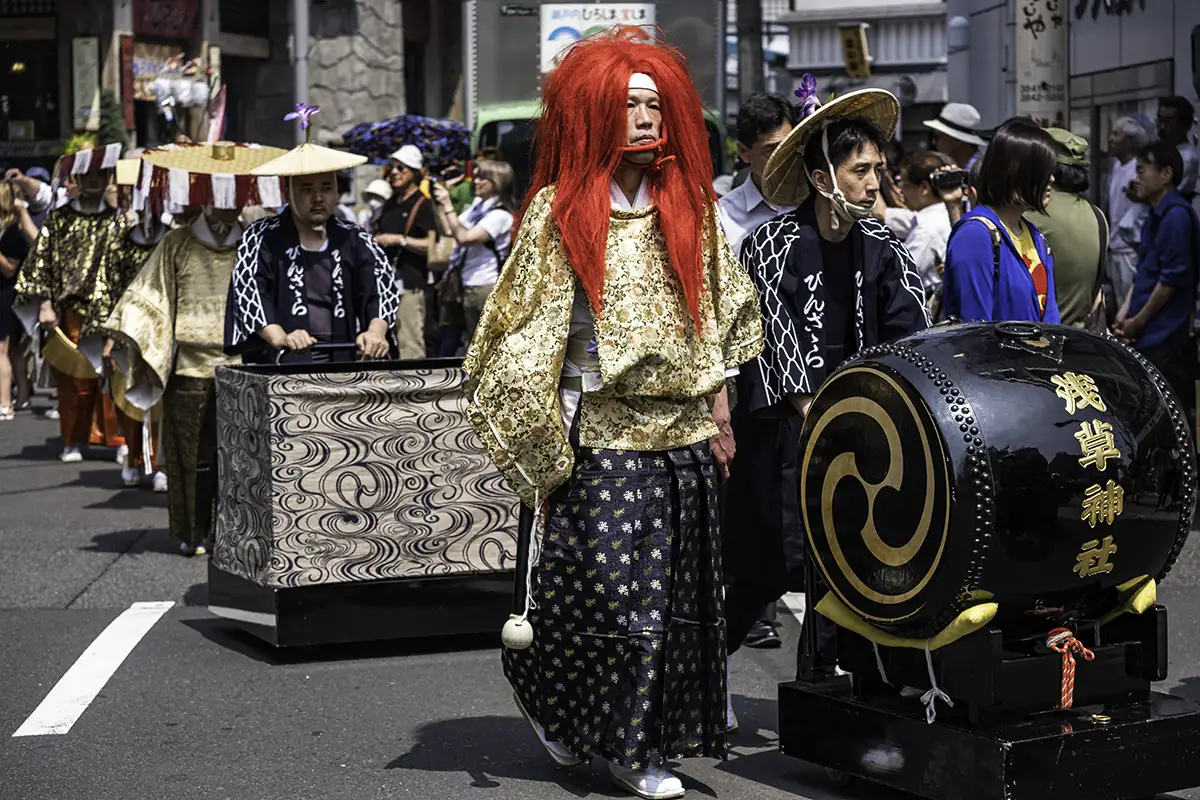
340,613
1097,753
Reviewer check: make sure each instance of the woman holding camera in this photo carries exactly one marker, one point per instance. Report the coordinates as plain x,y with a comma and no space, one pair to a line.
997,264
482,235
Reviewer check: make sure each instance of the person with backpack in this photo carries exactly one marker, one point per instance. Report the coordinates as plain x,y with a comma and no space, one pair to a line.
483,236
998,266
1156,317
1077,235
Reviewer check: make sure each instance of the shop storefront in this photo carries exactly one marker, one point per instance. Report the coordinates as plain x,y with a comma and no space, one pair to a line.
1126,55
30,124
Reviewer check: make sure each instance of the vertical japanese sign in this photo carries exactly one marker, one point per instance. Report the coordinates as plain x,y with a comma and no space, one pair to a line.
127,82
85,82
563,24
1041,59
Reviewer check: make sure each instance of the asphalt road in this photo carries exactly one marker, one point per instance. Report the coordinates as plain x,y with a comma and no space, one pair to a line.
198,711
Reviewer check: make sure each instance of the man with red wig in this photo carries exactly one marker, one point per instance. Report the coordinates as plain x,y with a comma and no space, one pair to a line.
593,377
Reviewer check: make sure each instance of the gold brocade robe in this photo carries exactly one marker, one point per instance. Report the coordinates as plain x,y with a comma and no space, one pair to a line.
657,372
171,319
80,263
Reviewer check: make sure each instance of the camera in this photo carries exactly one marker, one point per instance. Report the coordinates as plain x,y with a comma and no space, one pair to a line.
950,179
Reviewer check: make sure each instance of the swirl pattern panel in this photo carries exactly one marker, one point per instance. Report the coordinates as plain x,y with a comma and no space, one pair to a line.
355,476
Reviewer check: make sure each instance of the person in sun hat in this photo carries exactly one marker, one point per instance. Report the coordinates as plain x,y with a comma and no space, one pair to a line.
596,381
68,284
374,196
831,281
307,276
955,132
169,324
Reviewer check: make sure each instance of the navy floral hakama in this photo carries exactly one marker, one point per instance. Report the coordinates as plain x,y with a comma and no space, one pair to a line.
628,657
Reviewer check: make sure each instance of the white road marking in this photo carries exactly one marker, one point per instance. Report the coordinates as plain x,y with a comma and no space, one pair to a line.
794,602
87,677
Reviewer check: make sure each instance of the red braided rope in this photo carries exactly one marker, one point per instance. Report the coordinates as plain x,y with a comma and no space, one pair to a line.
1063,641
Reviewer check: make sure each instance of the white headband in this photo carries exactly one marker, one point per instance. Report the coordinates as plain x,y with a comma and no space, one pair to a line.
640,80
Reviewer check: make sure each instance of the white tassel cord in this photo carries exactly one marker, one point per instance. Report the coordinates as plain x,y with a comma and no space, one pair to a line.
147,444
879,663
931,697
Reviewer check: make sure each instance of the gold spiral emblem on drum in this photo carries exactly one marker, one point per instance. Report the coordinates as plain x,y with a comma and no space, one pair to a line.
932,493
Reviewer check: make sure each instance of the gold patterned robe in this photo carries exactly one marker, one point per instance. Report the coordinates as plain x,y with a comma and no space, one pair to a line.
171,319
79,262
657,372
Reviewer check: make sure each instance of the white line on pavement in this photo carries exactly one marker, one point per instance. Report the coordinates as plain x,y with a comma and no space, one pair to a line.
794,602
76,690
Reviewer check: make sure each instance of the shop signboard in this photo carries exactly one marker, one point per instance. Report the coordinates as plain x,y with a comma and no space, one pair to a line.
1041,61
563,24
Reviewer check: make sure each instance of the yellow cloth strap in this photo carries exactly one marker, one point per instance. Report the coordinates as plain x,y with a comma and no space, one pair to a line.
1136,595
969,621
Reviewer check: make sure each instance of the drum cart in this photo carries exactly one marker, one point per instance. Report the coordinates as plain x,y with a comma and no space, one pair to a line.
356,504
1049,692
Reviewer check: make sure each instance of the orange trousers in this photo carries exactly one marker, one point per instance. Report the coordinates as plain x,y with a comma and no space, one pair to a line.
86,415
134,436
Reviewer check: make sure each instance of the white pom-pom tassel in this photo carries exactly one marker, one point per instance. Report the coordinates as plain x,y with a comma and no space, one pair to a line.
517,633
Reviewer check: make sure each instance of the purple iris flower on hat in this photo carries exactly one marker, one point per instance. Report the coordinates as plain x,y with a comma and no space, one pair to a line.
304,114
806,93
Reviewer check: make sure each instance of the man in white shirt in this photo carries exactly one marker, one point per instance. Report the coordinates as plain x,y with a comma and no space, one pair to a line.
1124,140
926,239
762,124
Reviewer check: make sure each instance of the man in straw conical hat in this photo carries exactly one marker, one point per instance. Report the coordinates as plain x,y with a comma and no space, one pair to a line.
307,276
593,376
170,323
831,281
68,285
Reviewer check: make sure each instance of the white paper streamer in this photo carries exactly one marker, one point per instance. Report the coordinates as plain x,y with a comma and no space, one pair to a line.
179,186
270,192
112,154
224,189
83,162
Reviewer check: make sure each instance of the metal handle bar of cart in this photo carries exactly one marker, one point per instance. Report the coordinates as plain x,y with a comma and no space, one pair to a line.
319,347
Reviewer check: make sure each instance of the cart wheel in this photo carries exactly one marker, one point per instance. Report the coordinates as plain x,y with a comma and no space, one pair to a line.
837,778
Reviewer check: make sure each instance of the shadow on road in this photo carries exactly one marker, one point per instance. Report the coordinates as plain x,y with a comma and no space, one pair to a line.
490,749
134,542
227,634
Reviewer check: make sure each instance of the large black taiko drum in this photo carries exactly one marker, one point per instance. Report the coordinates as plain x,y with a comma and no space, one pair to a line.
1036,466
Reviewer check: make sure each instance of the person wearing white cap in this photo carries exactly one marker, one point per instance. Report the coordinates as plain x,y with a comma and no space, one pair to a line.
376,194
956,133
403,231
306,276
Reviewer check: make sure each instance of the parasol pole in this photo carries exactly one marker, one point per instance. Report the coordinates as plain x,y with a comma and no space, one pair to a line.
300,54
518,632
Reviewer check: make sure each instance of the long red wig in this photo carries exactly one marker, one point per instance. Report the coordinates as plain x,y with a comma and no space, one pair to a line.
583,128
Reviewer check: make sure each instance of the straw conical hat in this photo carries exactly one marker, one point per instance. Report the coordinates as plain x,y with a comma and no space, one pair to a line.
784,180
310,159
216,158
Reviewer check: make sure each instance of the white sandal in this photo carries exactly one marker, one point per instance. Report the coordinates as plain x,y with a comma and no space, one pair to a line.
652,784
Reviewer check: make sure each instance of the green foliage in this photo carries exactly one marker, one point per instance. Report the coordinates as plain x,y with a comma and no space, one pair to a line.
112,121
80,141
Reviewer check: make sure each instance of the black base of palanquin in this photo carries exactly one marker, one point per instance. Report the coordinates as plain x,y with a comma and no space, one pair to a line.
1095,752
367,611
